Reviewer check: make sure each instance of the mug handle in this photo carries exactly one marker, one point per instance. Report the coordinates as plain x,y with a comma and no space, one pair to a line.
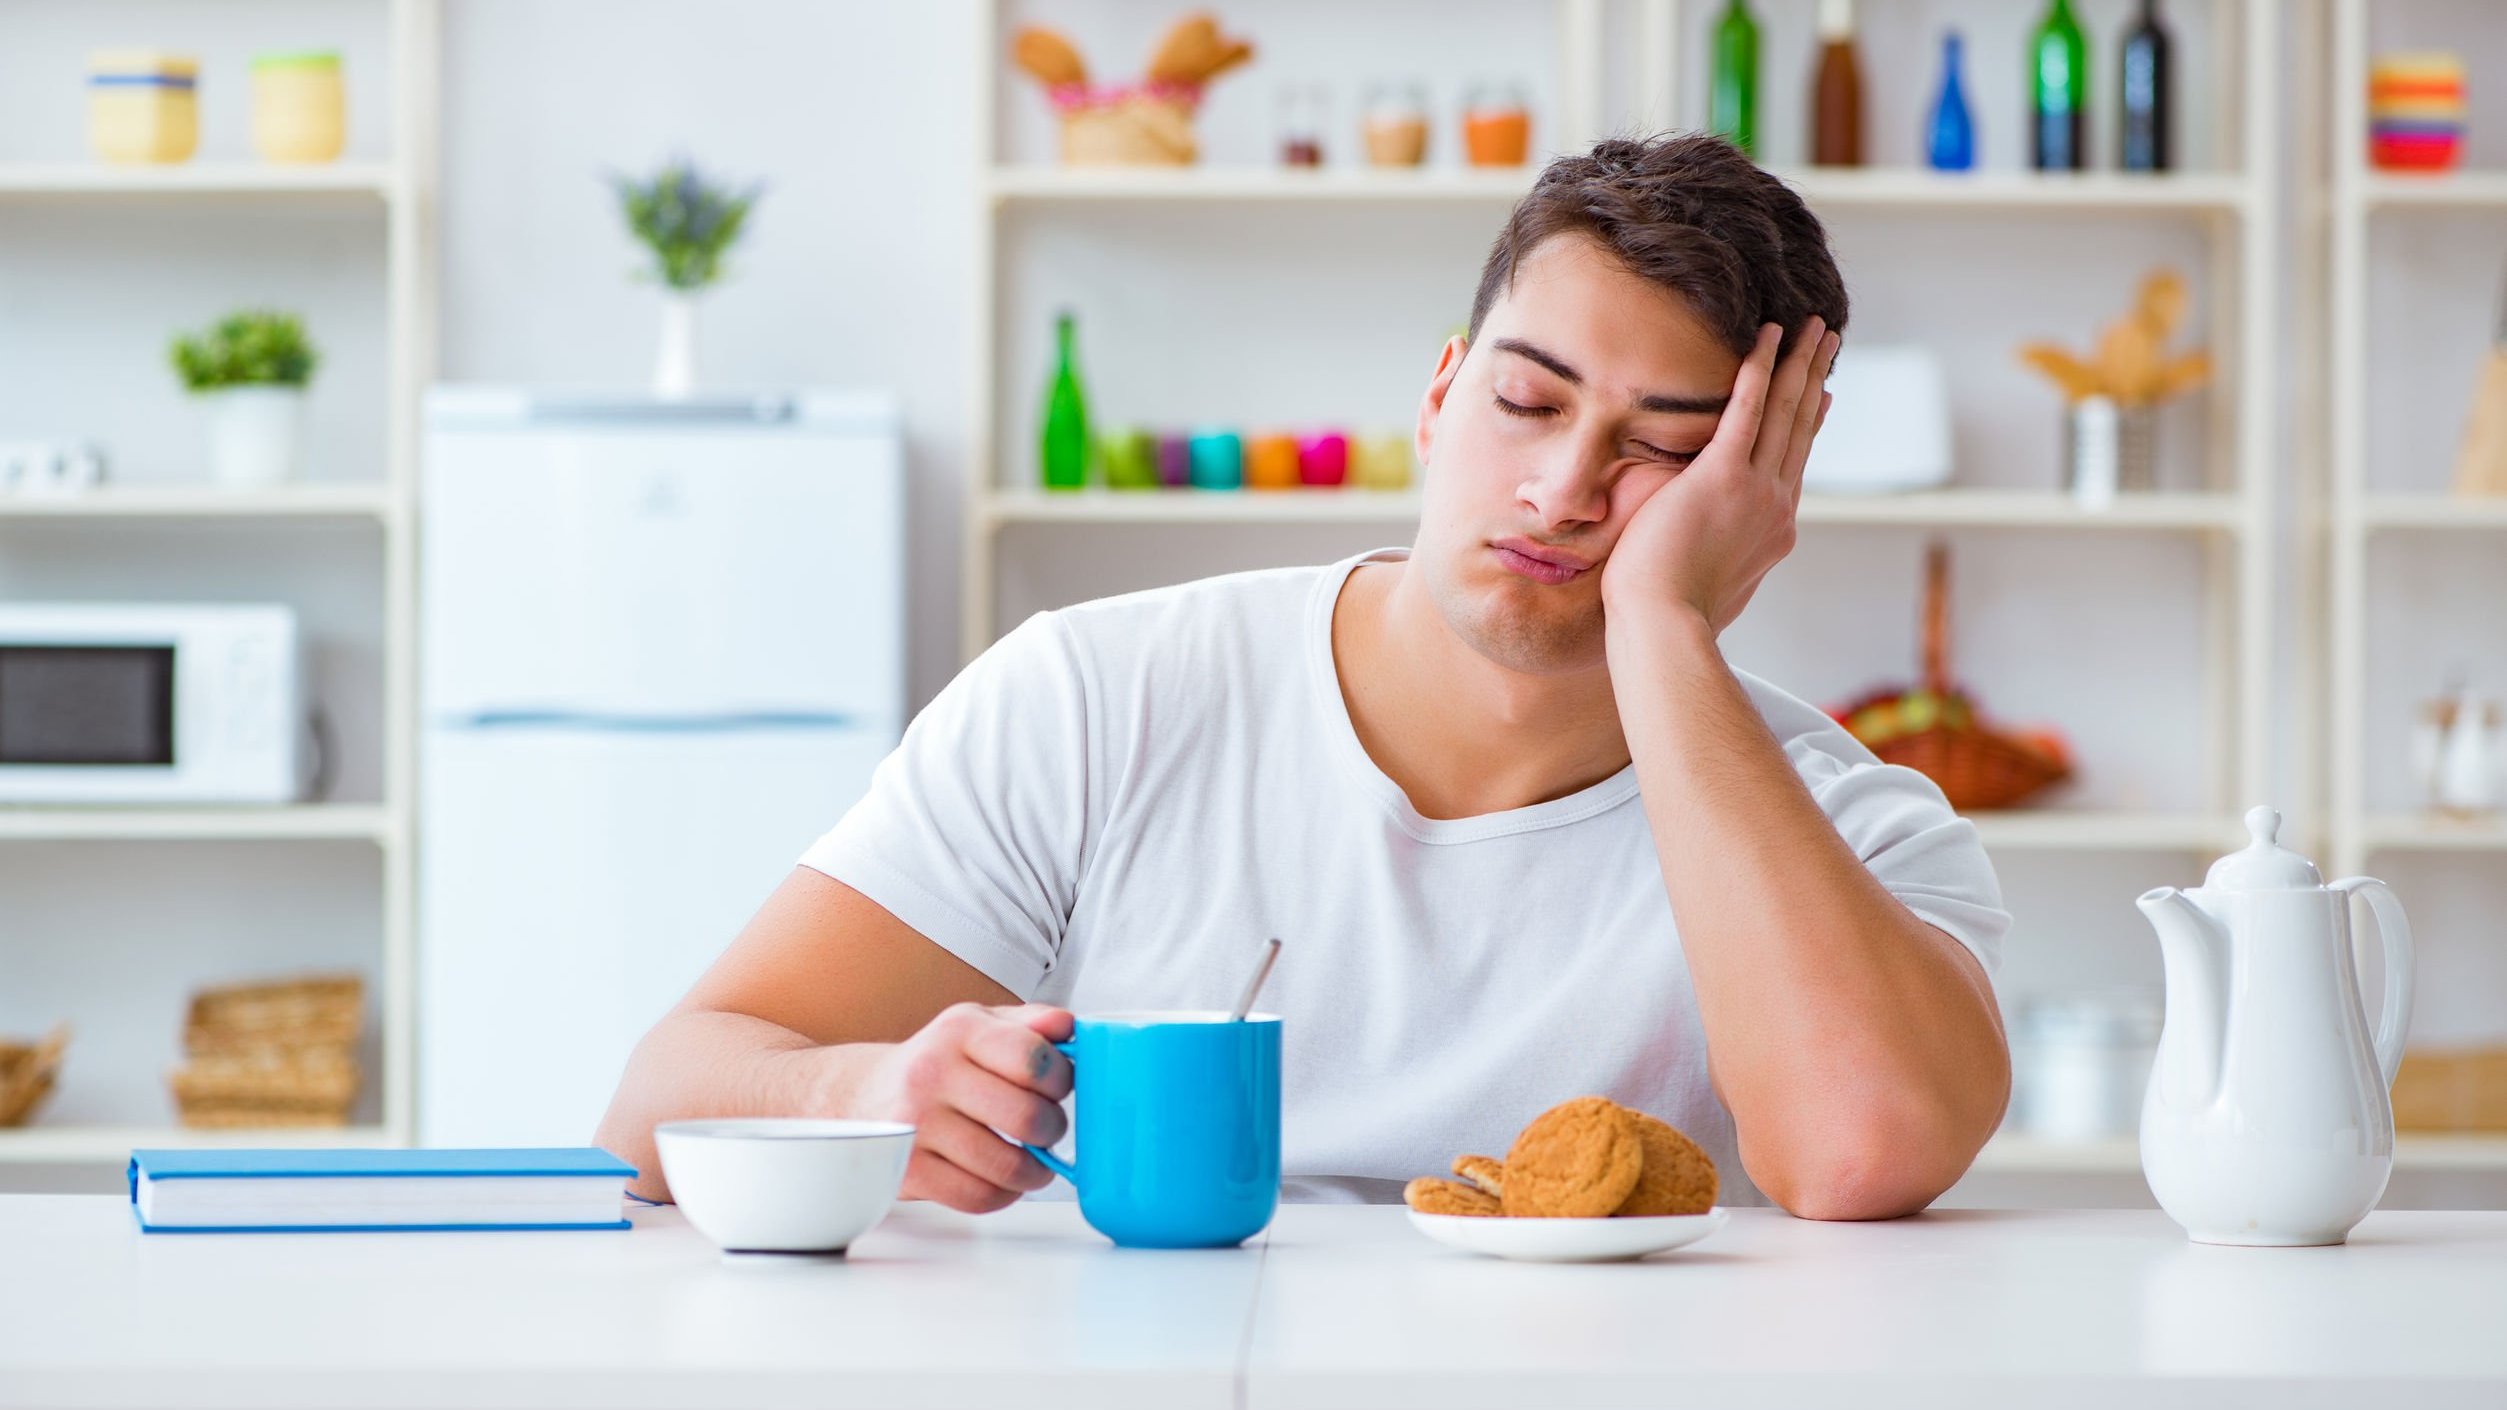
2396,933
1068,1170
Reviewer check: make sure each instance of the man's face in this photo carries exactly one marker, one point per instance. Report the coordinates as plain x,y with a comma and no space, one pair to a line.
1587,390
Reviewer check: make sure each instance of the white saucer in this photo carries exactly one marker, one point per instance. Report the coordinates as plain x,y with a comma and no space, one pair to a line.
1568,1240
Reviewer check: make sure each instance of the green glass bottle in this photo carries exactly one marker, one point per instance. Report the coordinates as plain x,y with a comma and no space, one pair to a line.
1732,95
2058,63
1064,451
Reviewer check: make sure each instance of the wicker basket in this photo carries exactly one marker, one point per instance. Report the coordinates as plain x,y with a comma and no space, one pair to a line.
322,1011
2461,1089
1976,767
274,1054
27,1071
1148,125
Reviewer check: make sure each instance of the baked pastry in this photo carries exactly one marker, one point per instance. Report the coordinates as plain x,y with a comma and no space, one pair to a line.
1430,1195
1577,1160
1484,1171
1676,1177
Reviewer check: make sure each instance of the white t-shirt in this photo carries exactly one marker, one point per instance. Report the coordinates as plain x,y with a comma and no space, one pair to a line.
1114,806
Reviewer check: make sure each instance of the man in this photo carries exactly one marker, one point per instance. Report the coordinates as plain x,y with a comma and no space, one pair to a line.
1524,832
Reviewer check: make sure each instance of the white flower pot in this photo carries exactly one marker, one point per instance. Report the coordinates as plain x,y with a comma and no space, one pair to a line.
674,370
254,433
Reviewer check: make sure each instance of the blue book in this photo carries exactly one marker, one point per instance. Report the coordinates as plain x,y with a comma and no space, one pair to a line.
307,1191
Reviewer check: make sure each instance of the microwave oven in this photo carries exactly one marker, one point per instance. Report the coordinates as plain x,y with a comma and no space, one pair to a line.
137,703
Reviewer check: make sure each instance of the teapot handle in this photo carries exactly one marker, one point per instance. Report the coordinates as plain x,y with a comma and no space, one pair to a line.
2391,1025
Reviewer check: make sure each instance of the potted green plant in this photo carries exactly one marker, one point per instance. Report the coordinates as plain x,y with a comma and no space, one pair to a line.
250,370
687,223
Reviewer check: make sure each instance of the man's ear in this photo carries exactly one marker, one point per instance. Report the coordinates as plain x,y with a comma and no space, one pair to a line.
1448,362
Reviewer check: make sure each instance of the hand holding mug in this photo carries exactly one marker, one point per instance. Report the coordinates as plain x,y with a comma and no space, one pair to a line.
972,1076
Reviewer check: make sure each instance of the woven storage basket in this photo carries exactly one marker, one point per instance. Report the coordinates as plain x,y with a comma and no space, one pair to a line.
322,1011
1145,126
318,1078
27,1071
2461,1089
1975,767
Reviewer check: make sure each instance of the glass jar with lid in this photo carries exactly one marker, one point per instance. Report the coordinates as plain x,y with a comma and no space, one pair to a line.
299,106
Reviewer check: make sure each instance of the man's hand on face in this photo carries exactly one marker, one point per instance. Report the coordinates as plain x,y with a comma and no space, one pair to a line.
971,1076
1704,541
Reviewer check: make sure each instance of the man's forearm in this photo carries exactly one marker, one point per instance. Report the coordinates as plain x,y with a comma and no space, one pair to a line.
705,1064
1859,1048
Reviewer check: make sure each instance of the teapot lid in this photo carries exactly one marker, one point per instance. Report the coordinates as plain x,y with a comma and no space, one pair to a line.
2263,864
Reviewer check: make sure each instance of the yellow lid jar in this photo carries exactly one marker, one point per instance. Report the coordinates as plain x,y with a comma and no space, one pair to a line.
299,108
142,105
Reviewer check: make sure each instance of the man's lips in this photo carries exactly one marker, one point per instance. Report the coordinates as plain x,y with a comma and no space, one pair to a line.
1539,561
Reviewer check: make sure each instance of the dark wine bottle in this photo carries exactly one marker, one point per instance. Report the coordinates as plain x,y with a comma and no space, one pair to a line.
2144,146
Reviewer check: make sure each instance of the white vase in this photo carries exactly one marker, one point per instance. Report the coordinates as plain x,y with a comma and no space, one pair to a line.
674,370
254,433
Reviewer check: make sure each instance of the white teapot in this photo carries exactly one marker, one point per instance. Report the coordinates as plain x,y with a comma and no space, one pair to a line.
2267,1120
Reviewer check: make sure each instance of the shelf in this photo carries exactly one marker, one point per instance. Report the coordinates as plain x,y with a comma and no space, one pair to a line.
2430,511
80,179
300,822
301,501
2012,1154
2211,192
2410,832
115,1143
2090,830
2027,509
2018,509
2445,188
1254,183
1872,187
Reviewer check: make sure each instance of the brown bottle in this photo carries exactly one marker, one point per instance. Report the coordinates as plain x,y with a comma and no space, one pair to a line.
1837,90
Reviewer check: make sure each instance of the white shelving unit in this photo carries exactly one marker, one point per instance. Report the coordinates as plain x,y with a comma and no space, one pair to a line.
403,189
2359,515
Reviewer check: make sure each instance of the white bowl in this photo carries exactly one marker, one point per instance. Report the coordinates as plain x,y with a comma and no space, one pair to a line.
777,1185
1569,1240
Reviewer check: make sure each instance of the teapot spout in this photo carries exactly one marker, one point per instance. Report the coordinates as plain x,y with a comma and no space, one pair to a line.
2193,952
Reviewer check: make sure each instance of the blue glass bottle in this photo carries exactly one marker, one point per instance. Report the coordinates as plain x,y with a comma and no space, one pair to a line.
1951,146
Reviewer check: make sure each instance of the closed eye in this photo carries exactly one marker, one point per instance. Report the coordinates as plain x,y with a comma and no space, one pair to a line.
1511,409
1667,457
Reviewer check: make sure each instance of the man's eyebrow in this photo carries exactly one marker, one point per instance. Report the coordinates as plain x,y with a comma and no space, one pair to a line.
1668,405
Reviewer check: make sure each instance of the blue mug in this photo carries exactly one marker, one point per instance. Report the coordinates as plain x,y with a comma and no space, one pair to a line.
1178,1128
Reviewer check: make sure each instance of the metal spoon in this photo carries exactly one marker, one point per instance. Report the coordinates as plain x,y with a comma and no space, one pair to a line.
1262,971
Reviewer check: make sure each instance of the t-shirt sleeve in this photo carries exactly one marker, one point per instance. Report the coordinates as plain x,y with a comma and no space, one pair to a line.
974,829
1928,856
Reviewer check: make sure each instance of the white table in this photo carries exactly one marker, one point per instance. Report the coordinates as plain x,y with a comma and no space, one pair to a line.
1335,1306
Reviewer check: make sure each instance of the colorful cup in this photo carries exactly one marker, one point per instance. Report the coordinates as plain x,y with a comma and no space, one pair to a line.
1131,460
1271,463
1381,462
1175,461
1177,1137
1218,461
1323,459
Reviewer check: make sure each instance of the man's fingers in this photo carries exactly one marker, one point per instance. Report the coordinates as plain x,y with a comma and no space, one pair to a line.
1811,410
1005,1106
931,1176
1737,432
974,1149
1017,1052
1784,399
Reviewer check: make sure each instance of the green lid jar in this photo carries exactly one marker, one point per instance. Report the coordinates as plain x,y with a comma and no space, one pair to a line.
299,106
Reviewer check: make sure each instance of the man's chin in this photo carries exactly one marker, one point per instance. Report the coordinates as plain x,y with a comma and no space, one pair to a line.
1534,638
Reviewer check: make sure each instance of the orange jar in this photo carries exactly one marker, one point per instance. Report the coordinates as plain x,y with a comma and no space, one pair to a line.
1271,463
1496,126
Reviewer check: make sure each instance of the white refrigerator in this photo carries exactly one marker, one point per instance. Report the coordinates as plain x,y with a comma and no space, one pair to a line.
661,649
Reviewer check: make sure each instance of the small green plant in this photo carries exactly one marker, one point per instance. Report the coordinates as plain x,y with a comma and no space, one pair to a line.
687,221
248,348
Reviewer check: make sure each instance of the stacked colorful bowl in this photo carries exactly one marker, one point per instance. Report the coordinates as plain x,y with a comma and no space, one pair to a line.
2415,112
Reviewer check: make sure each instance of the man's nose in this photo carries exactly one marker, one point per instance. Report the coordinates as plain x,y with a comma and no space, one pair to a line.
1570,487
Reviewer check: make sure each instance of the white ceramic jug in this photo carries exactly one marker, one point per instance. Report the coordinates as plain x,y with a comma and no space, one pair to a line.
2267,1120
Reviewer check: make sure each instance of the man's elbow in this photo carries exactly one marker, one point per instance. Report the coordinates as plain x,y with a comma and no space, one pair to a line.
1882,1169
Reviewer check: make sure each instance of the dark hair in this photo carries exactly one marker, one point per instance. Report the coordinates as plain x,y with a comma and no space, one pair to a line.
1688,212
